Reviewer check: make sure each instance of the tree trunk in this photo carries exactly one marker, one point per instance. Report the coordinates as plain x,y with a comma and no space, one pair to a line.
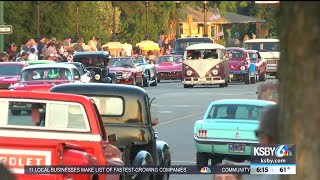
299,68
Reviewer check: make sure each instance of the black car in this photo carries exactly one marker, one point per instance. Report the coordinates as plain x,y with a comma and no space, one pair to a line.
96,63
128,113
182,43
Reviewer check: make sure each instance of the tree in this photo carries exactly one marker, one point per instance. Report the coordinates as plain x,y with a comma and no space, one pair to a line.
299,88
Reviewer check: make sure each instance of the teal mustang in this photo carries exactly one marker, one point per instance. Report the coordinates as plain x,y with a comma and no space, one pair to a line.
227,130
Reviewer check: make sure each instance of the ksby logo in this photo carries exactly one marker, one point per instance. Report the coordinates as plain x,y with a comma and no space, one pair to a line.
280,151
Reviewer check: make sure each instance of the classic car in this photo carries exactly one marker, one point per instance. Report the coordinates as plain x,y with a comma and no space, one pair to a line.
169,67
126,71
127,112
85,76
181,44
35,62
149,71
227,130
259,63
42,77
10,73
205,64
96,63
240,67
268,91
62,130
269,50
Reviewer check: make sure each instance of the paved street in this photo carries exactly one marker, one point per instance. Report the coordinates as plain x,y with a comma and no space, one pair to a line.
179,108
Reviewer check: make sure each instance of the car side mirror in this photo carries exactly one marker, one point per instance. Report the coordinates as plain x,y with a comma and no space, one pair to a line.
112,138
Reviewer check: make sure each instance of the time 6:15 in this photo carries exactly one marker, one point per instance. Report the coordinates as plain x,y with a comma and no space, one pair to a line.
262,169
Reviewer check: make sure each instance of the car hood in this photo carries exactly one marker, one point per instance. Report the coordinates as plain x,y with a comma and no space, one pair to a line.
9,79
236,64
37,86
168,66
120,69
270,55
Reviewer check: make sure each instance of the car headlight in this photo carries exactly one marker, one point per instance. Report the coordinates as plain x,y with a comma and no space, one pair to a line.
215,71
97,76
242,68
189,72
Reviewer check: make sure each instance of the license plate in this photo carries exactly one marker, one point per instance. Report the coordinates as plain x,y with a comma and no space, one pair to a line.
202,79
237,147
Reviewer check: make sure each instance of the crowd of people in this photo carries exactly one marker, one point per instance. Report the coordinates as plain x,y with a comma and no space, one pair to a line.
62,51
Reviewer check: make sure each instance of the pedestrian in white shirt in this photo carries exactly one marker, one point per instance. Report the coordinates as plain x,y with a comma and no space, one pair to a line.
33,55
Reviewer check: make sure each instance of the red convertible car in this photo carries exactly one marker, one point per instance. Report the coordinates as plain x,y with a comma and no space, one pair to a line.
169,67
10,73
126,71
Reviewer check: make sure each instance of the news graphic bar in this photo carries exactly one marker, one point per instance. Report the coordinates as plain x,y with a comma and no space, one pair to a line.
239,169
273,169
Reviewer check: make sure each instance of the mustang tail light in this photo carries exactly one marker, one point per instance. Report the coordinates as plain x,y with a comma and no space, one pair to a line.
202,133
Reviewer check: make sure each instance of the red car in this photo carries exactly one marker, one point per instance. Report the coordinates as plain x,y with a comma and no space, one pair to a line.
61,130
126,71
260,64
10,73
169,67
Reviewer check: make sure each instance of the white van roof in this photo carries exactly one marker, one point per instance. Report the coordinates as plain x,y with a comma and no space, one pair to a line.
261,40
205,46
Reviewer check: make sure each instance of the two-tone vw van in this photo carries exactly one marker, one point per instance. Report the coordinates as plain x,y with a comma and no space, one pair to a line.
205,64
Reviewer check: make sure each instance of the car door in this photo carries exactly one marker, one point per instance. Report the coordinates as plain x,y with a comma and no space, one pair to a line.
261,63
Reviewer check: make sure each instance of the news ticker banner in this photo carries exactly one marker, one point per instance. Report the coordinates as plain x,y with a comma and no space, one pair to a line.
220,169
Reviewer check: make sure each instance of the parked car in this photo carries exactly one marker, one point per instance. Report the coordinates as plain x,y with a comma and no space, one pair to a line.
169,67
42,77
259,63
240,67
62,130
227,130
269,50
10,73
85,76
268,91
126,71
149,71
35,62
96,63
127,112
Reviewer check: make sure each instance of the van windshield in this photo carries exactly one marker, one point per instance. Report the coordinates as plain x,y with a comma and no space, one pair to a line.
263,46
181,45
202,54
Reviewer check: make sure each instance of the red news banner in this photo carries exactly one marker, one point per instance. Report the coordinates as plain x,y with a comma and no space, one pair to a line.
239,169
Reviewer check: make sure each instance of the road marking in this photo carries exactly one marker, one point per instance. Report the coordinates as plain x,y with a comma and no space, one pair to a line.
165,112
176,119
188,162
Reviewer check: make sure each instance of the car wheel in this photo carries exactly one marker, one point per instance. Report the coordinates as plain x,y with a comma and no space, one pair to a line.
15,112
187,86
134,83
202,160
247,78
158,80
253,79
216,160
155,81
146,81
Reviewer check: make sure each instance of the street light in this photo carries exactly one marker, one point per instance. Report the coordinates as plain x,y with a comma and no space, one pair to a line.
114,37
38,19
147,19
177,20
205,19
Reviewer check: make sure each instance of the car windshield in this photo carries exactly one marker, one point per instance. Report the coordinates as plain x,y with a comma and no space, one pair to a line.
263,46
162,59
253,57
202,54
235,111
121,62
182,45
10,70
88,61
140,60
35,74
235,55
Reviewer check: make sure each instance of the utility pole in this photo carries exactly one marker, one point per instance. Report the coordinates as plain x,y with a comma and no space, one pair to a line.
1,23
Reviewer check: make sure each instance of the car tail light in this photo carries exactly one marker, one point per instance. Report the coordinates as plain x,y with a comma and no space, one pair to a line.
202,133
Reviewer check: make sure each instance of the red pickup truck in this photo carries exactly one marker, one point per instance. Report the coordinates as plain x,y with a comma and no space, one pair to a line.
62,129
